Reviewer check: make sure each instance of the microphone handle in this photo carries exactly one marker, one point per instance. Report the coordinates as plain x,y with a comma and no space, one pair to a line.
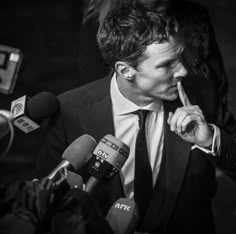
63,164
91,184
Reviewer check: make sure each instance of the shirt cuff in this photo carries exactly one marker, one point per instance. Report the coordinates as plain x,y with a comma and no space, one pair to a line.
214,149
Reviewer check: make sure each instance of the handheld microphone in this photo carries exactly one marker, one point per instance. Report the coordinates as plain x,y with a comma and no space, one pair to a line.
6,118
108,158
76,155
123,216
24,113
27,114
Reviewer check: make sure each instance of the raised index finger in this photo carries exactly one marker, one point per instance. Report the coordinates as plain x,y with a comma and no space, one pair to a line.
182,95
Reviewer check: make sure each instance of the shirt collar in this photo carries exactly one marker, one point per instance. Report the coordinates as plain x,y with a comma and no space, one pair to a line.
122,105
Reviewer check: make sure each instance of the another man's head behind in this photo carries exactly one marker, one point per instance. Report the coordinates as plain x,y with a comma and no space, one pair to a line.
144,49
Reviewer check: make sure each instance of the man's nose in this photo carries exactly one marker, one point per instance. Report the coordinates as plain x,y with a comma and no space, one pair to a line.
180,70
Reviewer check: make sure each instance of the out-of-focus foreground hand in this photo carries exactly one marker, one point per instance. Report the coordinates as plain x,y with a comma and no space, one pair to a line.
24,206
76,212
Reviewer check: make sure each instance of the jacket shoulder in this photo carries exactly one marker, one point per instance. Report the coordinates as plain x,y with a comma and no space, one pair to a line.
86,94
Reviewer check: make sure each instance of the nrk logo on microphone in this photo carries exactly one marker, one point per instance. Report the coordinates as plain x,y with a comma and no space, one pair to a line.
108,157
122,206
20,119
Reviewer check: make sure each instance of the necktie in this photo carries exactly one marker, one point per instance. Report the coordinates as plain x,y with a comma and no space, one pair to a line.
143,171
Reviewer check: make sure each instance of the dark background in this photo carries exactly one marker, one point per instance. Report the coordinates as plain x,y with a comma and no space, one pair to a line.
48,35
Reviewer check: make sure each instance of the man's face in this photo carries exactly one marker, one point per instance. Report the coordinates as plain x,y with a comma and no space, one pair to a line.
157,75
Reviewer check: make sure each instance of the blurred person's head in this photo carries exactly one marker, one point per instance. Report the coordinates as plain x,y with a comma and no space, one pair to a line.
100,8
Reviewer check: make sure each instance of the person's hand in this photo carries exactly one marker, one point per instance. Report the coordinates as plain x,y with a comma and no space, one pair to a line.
189,122
34,199
75,211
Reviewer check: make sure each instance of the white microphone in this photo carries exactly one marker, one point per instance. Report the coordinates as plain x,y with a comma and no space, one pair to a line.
76,155
108,158
123,216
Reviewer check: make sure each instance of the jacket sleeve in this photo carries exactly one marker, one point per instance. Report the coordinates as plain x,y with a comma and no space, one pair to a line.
217,113
227,158
222,117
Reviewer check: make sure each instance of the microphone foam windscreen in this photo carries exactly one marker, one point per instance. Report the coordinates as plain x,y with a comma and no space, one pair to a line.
42,105
123,216
80,151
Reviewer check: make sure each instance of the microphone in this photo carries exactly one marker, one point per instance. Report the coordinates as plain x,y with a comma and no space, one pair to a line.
6,118
28,113
76,155
123,216
108,158
24,113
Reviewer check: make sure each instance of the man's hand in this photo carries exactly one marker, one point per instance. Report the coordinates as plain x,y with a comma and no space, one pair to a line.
189,122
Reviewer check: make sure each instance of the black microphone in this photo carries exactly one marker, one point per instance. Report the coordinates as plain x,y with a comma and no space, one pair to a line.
76,155
123,216
108,158
27,113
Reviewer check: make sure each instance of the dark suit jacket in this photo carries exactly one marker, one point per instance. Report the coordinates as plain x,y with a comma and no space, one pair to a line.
188,184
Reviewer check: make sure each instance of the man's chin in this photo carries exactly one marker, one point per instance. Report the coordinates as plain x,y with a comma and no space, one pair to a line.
172,97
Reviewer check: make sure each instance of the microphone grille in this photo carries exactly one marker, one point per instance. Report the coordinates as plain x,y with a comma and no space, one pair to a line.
123,216
80,151
42,105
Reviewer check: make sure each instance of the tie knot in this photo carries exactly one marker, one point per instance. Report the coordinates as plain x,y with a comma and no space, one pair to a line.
142,114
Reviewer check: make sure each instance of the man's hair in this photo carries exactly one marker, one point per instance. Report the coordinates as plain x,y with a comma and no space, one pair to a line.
128,30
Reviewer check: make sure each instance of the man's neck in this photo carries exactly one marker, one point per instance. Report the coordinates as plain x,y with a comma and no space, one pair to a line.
127,89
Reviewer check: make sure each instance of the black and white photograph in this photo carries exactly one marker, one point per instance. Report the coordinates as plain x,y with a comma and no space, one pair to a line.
118,117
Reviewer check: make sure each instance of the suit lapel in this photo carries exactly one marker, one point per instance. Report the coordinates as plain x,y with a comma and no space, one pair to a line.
102,119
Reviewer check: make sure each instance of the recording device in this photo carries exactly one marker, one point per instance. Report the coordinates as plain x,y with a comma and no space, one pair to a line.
123,216
75,156
27,113
108,158
10,61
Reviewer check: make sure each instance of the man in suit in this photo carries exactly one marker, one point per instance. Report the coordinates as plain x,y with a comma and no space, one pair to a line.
186,132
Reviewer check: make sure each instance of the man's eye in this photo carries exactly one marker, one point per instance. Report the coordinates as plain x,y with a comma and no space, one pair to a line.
168,64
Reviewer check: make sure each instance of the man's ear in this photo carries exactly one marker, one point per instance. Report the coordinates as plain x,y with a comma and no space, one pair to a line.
125,70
